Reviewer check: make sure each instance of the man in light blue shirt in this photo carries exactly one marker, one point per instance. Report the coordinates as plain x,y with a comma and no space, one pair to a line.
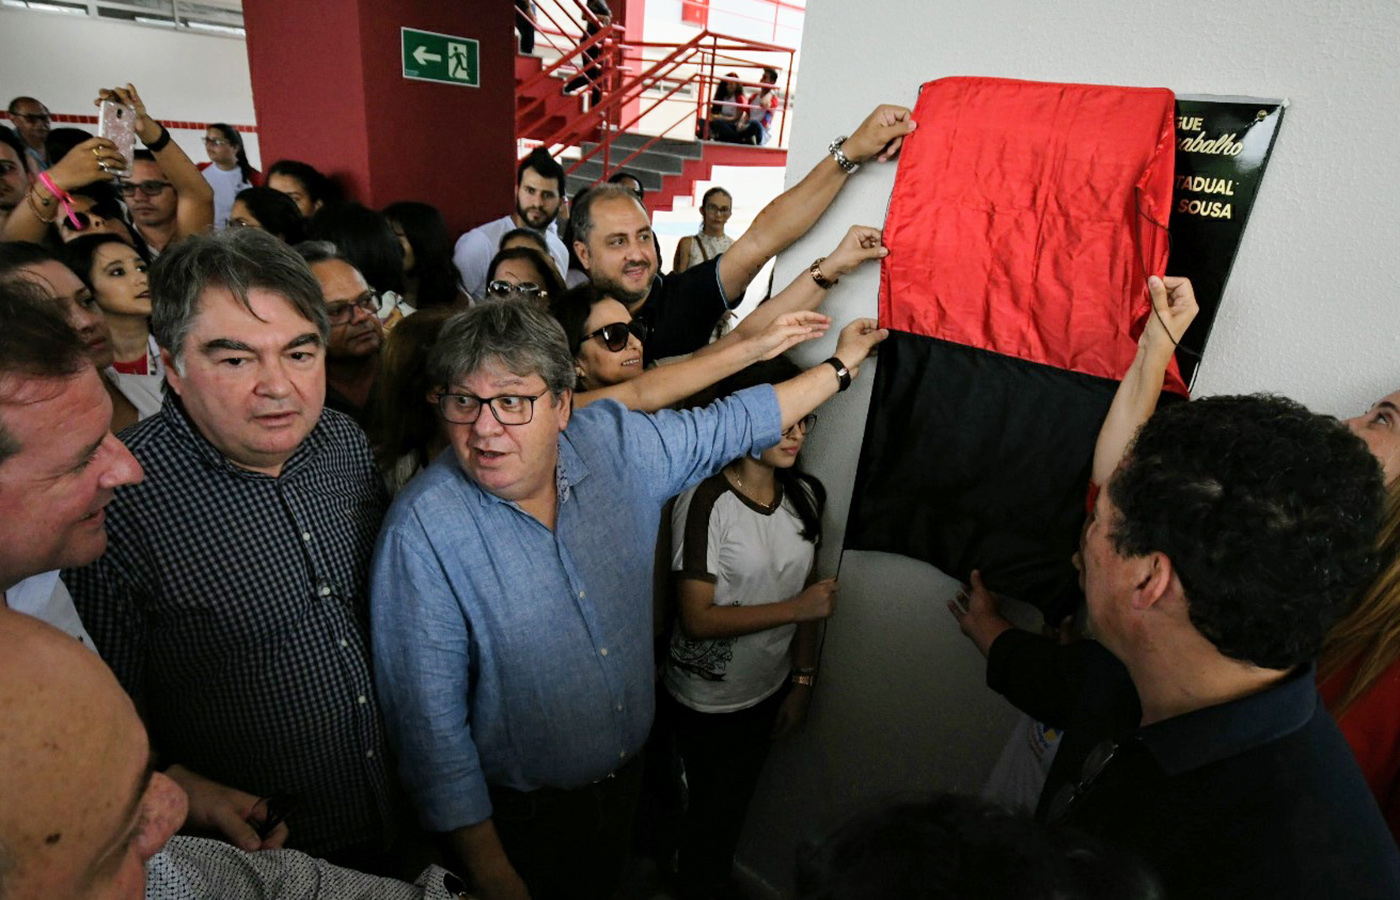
511,596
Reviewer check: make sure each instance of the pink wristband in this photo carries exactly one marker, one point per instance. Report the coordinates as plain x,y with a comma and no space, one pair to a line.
62,197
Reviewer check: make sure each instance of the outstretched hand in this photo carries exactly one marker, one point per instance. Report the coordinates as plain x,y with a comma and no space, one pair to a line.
978,612
789,330
1173,309
857,340
861,243
880,136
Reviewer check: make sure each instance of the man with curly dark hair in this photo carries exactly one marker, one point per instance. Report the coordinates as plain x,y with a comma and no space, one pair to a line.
1234,533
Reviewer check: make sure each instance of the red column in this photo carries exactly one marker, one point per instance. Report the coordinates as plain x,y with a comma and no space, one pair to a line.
329,90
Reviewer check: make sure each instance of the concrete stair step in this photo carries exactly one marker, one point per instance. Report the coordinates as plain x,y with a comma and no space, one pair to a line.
686,149
651,160
592,170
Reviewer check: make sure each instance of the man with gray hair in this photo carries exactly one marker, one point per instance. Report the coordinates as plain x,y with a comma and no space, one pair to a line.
511,595
232,600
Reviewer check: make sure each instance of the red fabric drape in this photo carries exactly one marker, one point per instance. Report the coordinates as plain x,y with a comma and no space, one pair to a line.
1026,216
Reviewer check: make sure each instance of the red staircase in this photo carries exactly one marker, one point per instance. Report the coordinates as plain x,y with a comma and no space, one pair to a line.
636,79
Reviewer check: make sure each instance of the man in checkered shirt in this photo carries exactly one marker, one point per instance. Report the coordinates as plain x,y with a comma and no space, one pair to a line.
231,603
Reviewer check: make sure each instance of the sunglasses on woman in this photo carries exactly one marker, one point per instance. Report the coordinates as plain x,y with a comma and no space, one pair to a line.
506,288
614,335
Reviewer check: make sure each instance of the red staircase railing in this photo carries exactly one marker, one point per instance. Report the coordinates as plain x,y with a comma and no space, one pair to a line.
692,63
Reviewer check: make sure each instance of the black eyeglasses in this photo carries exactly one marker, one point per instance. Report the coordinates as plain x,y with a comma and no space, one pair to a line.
150,188
506,288
269,812
718,210
1069,794
614,335
32,118
342,311
509,409
804,425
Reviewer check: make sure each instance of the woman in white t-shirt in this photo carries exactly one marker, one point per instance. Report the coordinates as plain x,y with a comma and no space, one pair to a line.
228,170
743,652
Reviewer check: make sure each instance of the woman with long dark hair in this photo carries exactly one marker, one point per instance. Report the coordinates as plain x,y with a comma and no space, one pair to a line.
430,279
228,170
728,120
115,273
743,653
272,211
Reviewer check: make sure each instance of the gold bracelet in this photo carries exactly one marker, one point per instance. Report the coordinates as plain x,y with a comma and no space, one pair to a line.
822,281
38,213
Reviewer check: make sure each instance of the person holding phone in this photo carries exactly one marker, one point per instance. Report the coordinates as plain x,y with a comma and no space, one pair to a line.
166,194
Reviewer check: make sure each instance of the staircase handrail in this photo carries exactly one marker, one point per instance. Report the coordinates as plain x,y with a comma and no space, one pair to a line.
703,51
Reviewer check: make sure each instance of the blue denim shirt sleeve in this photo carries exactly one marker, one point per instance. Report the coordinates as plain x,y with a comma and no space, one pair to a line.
677,449
423,692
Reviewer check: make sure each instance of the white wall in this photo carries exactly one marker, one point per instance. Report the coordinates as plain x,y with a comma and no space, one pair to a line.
63,60
1310,312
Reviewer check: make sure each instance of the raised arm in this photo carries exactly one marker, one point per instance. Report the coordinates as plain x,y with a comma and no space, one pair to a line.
1173,309
86,163
665,385
194,212
799,396
861,243
793,213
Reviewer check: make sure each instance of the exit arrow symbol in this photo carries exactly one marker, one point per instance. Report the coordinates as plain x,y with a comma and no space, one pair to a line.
424,57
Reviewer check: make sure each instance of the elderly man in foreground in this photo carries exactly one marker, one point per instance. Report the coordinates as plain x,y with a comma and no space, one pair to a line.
511,595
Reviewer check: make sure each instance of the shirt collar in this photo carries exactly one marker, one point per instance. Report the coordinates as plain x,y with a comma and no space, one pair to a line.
1198,738
173,412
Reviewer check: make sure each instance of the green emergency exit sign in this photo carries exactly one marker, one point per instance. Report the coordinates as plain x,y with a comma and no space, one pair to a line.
445,58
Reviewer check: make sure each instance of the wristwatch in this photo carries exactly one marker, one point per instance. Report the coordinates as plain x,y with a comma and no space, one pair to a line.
841,159
843,374
822,281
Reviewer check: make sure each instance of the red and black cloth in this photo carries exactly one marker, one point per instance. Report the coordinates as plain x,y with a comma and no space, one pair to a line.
1024,222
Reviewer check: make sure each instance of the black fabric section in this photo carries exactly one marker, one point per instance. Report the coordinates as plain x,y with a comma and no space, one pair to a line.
976,460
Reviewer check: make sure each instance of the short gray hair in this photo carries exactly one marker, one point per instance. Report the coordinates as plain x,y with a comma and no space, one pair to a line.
581,215
519,337
238,259
319,251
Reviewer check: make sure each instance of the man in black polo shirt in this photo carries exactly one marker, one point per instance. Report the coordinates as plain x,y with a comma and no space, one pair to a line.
613,240
1232,536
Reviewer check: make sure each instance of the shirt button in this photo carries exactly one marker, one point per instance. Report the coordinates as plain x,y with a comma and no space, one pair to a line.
582,594
622,754
604,651
344,643
362,699
325,590
619,707
369,754
306,536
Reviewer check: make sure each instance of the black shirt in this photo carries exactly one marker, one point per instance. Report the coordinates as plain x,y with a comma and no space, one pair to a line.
1258,797
682,310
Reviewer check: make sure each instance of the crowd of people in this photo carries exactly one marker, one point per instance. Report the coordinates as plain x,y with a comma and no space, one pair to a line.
333,546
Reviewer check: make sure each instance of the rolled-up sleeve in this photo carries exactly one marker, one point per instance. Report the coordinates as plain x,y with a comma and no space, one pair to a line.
422,657
679,448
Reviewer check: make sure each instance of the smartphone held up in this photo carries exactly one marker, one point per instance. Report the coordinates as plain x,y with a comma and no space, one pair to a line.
117,123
